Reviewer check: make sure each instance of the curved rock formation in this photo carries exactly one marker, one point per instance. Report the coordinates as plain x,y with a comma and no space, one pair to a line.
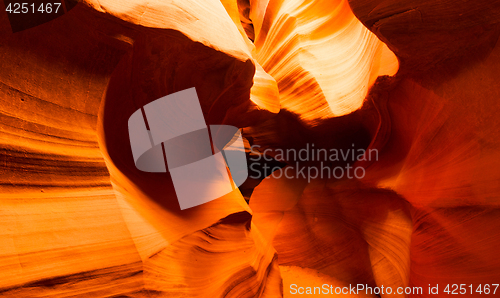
322,57
438,153
77,218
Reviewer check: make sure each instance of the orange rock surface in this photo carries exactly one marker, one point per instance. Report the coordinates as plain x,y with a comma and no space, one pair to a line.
416,81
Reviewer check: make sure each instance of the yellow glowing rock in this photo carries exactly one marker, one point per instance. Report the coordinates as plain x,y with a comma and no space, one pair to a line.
322,57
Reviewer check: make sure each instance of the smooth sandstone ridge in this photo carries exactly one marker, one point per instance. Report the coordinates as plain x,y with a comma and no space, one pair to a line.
417,81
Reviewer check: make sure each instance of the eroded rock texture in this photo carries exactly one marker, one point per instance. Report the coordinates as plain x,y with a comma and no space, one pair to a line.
77,218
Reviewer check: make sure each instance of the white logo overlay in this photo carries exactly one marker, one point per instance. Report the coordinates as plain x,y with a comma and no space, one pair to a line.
170,135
